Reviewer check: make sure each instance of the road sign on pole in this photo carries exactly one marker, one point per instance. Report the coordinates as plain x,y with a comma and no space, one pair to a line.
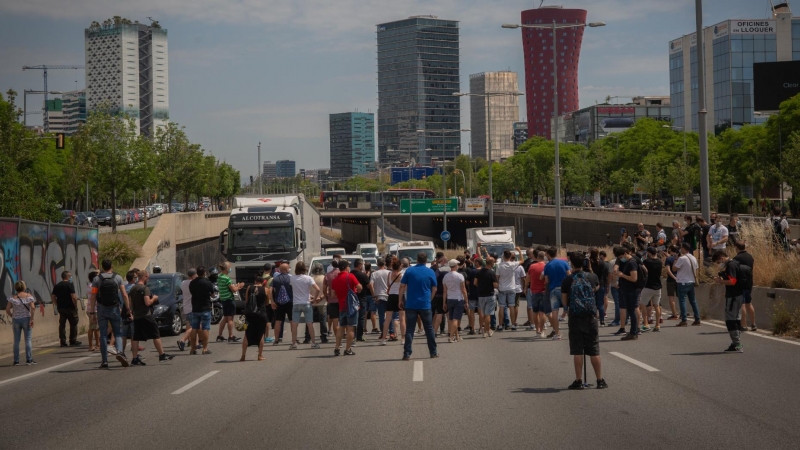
445,235
429,205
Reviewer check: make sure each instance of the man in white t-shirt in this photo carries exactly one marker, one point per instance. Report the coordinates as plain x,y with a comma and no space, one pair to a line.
685,270
455,294
305,294
187,310
718,236
379,287
507,292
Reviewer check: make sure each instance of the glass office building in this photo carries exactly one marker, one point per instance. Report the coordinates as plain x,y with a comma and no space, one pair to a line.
731,49
285,168
352,149
418,72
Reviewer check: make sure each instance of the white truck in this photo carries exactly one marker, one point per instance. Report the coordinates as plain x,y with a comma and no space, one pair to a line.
270,229
493,240
411,249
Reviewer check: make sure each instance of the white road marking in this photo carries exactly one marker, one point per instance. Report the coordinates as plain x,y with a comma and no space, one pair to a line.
39,372
417,371
750,333
635,362
195,382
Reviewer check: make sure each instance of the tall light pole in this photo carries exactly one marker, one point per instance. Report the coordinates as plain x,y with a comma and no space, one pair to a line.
702,113
260,171
486,95
555,27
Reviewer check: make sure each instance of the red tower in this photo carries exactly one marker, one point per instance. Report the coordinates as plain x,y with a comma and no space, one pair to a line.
538,47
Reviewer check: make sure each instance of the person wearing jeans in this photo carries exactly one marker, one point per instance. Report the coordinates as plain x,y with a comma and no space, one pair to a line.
417,288
685,269
427,324
108,310
20,307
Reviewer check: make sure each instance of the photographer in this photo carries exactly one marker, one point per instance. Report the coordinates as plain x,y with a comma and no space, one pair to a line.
643,238
690,233
733,275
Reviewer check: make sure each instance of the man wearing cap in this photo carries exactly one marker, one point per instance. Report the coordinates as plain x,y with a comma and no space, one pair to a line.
455,294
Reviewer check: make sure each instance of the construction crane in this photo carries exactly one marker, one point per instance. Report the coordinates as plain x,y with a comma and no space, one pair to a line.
44,68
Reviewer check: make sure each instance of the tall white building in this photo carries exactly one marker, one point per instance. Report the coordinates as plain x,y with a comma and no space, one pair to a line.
503,110
127,72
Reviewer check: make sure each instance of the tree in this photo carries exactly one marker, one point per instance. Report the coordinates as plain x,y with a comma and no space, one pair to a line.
681,179
174,158
652,175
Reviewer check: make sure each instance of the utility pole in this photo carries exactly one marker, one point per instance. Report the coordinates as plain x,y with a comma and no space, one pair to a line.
702,113
260,171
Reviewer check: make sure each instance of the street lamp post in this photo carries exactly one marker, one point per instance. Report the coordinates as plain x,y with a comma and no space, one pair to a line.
486,95
702,113
554,27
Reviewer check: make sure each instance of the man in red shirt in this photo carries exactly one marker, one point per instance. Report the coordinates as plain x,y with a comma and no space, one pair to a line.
539,305
344,282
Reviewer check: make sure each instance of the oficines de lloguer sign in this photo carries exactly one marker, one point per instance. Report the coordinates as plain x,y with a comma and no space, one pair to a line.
752,26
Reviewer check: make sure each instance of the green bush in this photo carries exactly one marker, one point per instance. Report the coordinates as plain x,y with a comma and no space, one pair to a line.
785,321
119,248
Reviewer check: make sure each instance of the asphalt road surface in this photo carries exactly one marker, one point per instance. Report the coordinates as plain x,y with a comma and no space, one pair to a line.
674,389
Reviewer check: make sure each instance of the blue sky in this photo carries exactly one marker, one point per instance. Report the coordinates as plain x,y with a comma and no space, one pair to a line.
244,71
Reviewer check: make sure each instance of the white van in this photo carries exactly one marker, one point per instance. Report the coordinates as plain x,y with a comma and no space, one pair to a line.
411,249
367,250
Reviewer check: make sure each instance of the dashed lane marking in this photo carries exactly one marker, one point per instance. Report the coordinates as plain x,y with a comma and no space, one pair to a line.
635,362
195,382
417,371
40,372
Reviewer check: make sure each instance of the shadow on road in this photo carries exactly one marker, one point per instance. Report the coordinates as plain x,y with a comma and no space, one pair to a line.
538,391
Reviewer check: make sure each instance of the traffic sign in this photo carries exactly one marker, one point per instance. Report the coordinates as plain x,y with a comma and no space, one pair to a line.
445,235
429,205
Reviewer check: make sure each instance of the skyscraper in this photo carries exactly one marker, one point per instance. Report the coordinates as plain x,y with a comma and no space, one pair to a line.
503,110
269,171
418,72
352,143
285,168
538,47
127,71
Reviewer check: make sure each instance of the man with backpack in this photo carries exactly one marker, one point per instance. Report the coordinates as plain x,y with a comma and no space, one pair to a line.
344,283
106,290
577,294
734,276
282,299
744,258
780,228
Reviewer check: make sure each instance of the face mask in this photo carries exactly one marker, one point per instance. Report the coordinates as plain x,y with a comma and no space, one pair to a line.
721,265
623,259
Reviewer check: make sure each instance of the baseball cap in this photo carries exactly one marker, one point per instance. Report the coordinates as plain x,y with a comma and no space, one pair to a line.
453,263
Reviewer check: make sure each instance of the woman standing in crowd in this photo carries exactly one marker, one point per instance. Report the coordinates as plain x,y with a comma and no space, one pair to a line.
20,307
256,317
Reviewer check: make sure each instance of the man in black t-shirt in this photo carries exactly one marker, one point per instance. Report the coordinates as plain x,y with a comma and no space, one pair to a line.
66,303
729,275
472,295
363,280
651,293
486,282
202,290
744,258
705,229
145,327
627,272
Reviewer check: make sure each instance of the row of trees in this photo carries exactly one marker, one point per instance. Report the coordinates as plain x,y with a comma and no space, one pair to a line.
108,157
650,155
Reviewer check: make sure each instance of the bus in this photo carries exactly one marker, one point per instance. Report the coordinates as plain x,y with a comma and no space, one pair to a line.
370,200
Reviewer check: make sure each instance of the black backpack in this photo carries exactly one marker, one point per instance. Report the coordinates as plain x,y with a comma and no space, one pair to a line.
108,291
744,275
251,305
641,277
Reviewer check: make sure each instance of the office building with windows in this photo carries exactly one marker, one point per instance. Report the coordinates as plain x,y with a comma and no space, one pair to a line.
127,72
539,64
269,171
520,134
503,110
285,168
67,113
352,148
418,72
731,49
598,121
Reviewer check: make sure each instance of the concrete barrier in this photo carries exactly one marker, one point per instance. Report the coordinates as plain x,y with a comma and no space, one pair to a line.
711,300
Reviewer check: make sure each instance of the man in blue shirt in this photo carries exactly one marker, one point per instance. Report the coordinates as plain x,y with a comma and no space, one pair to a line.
417,288
554,273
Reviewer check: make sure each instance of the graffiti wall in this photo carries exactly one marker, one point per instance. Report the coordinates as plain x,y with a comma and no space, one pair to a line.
38,252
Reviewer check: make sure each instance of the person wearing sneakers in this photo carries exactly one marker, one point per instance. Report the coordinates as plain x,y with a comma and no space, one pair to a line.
486,282
281,299
393,305
21,308
255,306
628,272
455,292
417,288
145,327
343,284
651,293
106,290
685,270
226,291
553,275
266,281
746,259
202,290
672,284
578,297
539,305
187,310
305,294
330,297
379,287
472,297
733,275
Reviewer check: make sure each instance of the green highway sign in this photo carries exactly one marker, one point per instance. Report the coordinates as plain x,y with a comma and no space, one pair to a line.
429,205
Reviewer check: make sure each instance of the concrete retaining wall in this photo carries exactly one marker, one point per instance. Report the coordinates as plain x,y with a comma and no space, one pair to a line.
711,300
204,252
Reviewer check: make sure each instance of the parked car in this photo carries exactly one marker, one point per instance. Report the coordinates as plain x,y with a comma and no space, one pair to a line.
168,311
159,208
616,206
91,217
66,214
103,216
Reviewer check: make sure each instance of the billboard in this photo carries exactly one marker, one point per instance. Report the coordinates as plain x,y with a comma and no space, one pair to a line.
775,82
753,26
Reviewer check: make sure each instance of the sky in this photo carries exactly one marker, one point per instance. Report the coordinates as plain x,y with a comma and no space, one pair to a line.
271,71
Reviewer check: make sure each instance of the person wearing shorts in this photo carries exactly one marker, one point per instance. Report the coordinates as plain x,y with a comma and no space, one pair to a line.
226,298
281,303
584,329
455,291
651,293
538,301
305,294
330,297
343,283
486,281
393,304
472,294
202,291
553,275
145,327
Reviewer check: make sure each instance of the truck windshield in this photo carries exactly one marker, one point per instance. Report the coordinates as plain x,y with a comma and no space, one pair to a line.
411,254
497,249
262,239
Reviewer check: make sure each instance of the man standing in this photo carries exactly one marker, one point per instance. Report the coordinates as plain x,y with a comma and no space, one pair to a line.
685,269
66,302
642,237
744,258
538,305
661,238
677,233
106,289
486,282
651,293
417,288
202,291
704,230
226,291
330,297
553,275
145,327
733,229
627,272
472,295
186,305
529,259
379,287
732,275
363,280
717,236
343,284
281,299
578,297
780,228
336,257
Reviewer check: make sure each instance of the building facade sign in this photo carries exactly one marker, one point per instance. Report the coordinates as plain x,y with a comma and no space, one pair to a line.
752,26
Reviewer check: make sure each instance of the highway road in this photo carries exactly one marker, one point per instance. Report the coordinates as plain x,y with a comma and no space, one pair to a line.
674,389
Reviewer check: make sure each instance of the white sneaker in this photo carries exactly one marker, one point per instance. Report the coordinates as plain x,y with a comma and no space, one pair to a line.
112,350
486,335
383,342
557,337
542,335
402,342
491,333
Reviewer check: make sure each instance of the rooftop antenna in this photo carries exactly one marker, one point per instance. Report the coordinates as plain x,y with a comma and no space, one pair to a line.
540,4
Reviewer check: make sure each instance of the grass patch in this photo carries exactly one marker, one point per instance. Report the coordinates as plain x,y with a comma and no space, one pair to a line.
123,247
785,320
139,235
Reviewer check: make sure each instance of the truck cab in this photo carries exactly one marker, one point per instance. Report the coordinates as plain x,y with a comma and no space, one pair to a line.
411,249
493,240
